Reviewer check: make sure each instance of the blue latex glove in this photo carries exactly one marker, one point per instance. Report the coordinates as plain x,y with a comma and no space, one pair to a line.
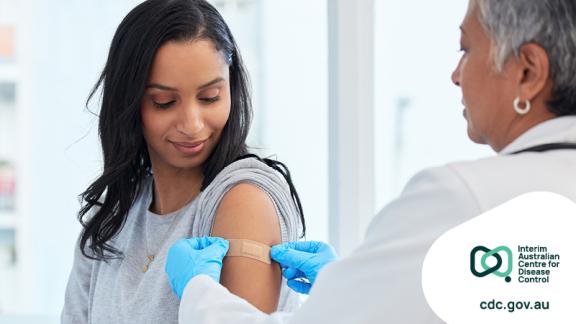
191,257
301,262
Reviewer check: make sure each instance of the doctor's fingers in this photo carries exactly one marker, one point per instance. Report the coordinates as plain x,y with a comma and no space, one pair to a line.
216,251
304,246
292,273
293,259
200,243
299,286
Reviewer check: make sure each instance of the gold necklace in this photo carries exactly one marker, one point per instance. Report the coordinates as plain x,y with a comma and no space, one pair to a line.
147,265
150,256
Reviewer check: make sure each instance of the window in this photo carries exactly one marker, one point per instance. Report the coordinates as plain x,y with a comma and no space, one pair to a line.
6,43
418,114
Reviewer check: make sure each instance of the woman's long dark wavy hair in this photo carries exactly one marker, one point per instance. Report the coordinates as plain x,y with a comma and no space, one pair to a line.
126,161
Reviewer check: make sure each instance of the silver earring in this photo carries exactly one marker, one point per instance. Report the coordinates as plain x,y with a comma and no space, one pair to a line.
518,109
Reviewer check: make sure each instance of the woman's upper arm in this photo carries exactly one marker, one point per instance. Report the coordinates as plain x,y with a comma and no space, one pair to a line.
247,212
77,297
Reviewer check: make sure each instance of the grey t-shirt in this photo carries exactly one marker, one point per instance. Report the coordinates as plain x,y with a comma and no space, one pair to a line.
121,292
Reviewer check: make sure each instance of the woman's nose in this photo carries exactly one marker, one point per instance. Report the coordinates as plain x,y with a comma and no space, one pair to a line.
191,121
456,76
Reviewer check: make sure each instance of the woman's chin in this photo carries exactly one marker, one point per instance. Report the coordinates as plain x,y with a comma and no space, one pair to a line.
475,137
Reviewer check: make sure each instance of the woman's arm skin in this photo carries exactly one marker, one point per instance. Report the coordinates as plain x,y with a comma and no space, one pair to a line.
247,212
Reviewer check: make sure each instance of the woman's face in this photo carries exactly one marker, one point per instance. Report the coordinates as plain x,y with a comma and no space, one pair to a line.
186,104
487,95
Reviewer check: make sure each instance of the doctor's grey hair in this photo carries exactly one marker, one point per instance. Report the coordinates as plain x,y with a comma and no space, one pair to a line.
549,23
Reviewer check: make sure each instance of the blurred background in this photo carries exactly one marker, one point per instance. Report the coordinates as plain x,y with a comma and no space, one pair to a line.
313,64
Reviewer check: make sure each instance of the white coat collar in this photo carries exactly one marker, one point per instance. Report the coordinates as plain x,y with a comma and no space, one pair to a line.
559,129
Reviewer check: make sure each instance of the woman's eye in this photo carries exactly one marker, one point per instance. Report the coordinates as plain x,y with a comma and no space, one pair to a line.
164,105
210,99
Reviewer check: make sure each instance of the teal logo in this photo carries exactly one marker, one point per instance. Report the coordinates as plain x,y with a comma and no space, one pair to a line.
495,269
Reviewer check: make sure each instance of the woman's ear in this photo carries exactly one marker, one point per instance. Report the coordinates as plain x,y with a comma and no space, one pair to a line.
535,65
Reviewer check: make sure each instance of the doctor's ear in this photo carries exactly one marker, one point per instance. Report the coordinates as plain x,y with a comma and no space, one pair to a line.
535,67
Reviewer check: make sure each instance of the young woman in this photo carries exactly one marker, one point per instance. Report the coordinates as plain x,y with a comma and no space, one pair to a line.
173,124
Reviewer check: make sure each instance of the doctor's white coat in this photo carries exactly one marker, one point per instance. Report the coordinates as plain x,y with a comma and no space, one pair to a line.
380,282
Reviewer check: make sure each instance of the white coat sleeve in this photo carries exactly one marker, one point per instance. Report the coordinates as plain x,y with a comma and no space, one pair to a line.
206,301
380,282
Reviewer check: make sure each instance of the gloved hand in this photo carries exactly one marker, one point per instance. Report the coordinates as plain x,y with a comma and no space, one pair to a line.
301,262
191,257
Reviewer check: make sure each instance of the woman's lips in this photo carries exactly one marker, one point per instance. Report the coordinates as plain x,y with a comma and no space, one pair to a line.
189,148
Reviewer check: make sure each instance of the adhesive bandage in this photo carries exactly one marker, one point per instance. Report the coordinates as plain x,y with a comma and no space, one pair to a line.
249,249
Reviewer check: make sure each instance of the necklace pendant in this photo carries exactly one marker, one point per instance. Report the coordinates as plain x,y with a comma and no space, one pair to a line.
147,265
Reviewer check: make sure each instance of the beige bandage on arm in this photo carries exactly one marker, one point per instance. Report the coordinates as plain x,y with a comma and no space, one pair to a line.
249,249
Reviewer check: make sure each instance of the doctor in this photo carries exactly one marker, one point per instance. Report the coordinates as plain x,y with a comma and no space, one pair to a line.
518,80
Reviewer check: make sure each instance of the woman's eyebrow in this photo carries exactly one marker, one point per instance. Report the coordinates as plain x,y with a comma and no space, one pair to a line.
161,87
167,88
206,85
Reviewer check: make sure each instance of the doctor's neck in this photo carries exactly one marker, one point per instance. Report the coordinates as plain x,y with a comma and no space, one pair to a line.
519,126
